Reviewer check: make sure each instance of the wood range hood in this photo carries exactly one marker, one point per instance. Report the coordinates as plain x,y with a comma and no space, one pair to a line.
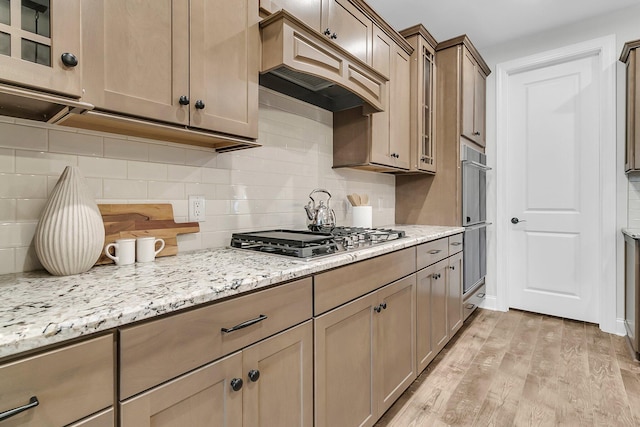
300,62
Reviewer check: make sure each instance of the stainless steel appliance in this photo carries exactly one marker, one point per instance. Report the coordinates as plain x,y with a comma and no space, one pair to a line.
309,245
474,219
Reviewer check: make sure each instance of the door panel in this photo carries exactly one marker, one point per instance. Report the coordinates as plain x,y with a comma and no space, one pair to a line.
554,185
352,28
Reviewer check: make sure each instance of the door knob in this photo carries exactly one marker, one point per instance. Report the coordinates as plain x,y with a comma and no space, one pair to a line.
515,220
236,384
254,375
69,59
199,104
184,100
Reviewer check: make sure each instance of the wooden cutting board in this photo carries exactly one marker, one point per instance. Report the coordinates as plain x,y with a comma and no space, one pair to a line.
142,220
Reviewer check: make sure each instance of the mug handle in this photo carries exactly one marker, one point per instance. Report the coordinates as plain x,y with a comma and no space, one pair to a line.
161,246
108,254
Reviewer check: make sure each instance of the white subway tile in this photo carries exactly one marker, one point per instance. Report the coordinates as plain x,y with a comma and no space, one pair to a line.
29,209
180,208
102,168
23,137
166,190
75,143
9,235
8,261
124,189
216,176
26,231
27,259
167,154
184,173
126,149
206,190
95,185
189,242
8,210
218,207
147,171
23,186
43,163
206,159
218,239
7,160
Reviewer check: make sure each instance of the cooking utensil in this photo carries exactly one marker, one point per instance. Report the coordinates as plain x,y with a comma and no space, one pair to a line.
322,217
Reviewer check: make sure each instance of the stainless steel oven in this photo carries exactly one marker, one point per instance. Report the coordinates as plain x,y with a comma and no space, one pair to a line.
474,217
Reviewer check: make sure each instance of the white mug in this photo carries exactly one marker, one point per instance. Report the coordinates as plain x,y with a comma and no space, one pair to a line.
124,251
146,248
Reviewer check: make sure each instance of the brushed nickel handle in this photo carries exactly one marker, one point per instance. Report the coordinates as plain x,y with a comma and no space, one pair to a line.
434,251
480,295
470,306
455,243
244,324
33,402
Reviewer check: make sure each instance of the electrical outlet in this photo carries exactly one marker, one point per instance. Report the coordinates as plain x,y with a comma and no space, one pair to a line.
197,209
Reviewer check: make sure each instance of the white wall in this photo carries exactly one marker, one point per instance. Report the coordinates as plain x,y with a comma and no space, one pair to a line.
258,188
624,25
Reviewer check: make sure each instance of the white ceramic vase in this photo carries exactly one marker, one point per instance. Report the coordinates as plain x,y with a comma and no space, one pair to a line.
70,235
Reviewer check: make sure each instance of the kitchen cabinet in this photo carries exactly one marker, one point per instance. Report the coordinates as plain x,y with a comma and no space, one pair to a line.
632,152
437,199
473,98
423,70
365,355
61,387
439,311
632,291
40,45
188,64
380,141
266,384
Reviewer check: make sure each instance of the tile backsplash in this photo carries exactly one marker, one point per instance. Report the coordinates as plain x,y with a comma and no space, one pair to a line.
258,188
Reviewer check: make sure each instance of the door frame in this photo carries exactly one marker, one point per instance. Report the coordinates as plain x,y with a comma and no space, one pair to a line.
604,48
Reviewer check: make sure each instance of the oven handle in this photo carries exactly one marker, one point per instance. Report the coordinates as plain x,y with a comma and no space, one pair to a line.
476,164
477,226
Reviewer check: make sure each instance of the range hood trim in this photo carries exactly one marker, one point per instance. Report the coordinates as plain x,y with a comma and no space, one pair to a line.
288,43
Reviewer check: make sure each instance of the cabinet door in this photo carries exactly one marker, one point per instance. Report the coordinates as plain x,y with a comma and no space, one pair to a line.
629,160
426,159
348,27
425,345
203,397
468,94
279,380
395,352
382,61
454,303
137,57
439,303
33,38
344,383
480,107
399,109
224,65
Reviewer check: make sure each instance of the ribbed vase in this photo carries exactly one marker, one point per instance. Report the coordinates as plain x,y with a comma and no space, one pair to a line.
70,235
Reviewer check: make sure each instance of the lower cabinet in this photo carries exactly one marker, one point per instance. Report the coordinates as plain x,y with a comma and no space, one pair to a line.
266,384
364,355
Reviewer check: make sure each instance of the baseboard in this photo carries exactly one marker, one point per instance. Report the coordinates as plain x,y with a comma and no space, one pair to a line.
489,303
620,329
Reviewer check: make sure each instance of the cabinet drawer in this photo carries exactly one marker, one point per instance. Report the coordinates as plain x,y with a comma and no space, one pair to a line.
69,384
455,244
432,252
103,419
472,301
344,284
163,349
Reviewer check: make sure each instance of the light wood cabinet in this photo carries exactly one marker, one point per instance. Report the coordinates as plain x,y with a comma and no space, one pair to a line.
455,315
423,72
362,360
191,63
39,44
60,387
269,383
473,99
632,152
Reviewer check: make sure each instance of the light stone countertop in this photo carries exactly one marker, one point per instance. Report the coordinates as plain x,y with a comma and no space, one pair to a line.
37,309
634,233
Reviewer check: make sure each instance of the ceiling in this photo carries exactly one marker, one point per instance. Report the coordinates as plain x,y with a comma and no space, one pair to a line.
491,22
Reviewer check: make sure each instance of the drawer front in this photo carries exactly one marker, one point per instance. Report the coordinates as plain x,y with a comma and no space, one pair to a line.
432,252
163,349
69,384
455,244
471,302
344,284
103,419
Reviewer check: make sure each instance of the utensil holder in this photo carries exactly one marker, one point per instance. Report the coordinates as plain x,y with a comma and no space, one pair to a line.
362,216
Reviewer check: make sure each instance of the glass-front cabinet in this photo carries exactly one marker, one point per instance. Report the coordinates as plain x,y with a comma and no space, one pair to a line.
426,154
40,45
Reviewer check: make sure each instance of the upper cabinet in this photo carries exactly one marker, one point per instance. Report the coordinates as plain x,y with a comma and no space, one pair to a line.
185,63
40,45
423,72
473,98
632,152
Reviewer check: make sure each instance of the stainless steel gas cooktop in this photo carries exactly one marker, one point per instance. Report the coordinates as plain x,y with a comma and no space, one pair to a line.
309,245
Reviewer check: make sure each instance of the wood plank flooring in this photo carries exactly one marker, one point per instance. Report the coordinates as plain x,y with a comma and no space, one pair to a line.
524,369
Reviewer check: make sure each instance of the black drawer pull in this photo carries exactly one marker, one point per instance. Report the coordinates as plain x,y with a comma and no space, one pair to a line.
244,324
480,295
470,306
455,243
434,251
33,402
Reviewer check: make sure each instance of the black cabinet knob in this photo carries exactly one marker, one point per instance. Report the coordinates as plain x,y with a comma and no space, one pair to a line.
199,104
69,59
327,32
377,309
254,375
236,384
334,36
383,305
452,267
184,100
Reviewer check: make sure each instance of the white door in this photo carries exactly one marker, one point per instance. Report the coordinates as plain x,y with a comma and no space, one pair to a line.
553,137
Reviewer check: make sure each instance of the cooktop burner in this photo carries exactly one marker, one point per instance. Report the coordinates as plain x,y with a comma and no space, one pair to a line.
308,244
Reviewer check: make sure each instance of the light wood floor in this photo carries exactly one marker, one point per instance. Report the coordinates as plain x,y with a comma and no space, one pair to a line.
524,369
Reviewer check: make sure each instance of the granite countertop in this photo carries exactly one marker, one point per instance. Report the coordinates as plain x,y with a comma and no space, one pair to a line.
37,309
634,233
